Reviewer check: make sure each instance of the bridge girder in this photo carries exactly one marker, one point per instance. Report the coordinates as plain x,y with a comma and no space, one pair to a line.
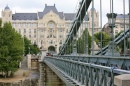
84,4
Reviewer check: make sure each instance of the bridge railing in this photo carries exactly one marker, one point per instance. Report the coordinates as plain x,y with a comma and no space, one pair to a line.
118,62
89,71
119,39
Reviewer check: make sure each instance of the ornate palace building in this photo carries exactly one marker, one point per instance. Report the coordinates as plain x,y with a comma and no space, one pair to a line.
49,28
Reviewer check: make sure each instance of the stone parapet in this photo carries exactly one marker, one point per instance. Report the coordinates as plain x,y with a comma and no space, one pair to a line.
26,82
122,80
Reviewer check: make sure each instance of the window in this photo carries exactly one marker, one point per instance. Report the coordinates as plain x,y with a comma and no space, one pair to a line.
24,30
51,42
95,24
29,36
60,30
24,24
60,25
19,31
41,25
51,24
60,42
41,41
34,36
21,24
29,25
41,36
60,36
51,36
116,31
29,30
35,25
35,42
18,24
67,30
34,30
51,30
122,26
67,25
95,30
42,30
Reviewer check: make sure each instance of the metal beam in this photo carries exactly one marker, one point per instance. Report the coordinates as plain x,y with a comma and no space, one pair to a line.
117,41
76,24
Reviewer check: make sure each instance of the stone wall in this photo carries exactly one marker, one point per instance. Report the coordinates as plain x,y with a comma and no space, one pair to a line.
48,77
26,82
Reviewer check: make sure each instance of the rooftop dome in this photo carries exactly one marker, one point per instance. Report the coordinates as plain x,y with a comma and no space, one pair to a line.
7,8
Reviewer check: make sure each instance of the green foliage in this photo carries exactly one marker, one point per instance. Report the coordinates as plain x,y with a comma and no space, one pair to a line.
81,44
33,48
11,49
0,22
118,34
105,38
83,41
121,44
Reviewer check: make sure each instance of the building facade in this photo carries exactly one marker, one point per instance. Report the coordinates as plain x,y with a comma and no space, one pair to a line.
47,29
119,24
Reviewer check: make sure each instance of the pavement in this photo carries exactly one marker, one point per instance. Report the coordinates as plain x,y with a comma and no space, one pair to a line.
33,73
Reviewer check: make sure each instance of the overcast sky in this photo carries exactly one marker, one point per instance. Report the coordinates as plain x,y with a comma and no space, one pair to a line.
67,6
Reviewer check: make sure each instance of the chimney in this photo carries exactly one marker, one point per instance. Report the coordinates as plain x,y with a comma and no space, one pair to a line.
45,5
54,5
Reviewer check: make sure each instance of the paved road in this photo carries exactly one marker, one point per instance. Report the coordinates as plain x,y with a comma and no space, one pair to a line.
24,63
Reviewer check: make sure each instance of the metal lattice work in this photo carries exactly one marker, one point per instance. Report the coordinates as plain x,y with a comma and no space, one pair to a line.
84,73
119,39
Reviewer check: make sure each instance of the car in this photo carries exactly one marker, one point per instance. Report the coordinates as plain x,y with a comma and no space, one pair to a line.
49,54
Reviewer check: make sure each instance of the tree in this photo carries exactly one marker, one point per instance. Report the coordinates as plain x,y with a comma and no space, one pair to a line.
11,49
83,41
33,47
105,38
80,44
0,22
121,44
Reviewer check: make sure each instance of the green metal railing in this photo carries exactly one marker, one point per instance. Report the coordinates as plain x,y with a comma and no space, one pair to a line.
83,73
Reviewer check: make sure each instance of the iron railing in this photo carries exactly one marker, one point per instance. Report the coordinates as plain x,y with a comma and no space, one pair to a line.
85,73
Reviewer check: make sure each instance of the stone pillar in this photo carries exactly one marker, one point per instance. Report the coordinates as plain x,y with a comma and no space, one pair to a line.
42,73
122,80
29,61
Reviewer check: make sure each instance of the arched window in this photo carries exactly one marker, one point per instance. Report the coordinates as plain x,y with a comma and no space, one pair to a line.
51,24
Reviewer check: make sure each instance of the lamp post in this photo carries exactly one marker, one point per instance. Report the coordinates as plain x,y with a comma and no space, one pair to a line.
56,48
29,50
99,44
112,45
87,49
74,46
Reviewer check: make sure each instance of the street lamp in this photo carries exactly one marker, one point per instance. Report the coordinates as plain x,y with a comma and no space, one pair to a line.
99,44
87,49
111,19
29,50
112,45
74,46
